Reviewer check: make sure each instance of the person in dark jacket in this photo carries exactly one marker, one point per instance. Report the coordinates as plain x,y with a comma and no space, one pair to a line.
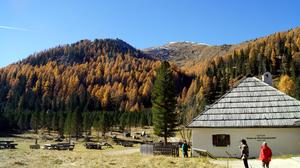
265,155
244,152
185,149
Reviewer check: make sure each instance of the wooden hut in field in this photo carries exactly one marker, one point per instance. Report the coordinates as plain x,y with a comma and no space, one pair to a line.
253,110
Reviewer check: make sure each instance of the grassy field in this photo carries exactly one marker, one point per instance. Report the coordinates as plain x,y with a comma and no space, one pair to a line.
81,157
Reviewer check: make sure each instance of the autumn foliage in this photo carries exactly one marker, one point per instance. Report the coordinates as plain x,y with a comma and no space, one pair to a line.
286,85
91,77
278,53
103,75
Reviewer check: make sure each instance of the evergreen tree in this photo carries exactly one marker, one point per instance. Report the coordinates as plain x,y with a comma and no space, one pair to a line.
97,125
164,103
262,64
43,119
284,68
87,123
123,120
61,122
4,124
54,122
77,122
35,120
48,120
252,62
297,88
104,122
68,126
21,121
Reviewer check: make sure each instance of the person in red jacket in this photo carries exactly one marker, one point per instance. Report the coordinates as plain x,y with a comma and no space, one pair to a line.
265,155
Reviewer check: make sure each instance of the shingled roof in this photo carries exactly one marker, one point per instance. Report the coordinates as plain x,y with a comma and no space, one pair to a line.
252,103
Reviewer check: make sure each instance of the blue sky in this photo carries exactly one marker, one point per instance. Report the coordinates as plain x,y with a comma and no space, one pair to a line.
28,26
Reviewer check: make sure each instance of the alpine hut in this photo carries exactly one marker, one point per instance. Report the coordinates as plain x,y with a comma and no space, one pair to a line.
252,110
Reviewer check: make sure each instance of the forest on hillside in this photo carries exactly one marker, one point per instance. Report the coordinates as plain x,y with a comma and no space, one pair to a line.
85,79
88,81
278,53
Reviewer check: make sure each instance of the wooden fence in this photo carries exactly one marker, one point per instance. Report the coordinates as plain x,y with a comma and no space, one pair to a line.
147,149
160,149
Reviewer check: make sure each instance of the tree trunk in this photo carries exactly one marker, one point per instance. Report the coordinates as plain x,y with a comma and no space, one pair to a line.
166,140
77,135
36,129
165,134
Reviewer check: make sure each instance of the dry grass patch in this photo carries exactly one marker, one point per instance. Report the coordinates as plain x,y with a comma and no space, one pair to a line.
118,157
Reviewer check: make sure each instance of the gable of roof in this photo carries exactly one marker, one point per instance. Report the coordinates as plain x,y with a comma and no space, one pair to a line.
252,103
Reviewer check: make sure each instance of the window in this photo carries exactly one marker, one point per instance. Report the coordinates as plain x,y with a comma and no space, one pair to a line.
221,140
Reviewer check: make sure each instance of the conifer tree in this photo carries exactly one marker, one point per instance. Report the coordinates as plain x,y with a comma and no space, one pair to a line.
54,122
297,88
35,119
164,103
87,124
43,119
61,122
102,122
68,125
77,122
48,120
21,121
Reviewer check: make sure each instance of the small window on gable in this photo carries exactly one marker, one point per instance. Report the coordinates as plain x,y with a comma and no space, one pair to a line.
221,140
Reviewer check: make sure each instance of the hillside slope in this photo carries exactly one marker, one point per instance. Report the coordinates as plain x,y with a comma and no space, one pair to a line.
180,52
278,53
99,75
187,54
111,75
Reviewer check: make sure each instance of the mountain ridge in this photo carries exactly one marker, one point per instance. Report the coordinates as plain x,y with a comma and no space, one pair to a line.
74,52
111,75
184,54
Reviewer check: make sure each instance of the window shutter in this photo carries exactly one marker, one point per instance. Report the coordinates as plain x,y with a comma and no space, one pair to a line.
214,140
227,139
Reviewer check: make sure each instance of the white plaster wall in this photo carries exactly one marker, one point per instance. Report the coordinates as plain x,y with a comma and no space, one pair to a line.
287,140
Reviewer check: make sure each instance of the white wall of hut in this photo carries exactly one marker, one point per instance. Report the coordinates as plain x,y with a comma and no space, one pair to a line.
281,140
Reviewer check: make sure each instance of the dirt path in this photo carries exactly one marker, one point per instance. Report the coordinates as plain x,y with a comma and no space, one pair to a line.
254,163
122,152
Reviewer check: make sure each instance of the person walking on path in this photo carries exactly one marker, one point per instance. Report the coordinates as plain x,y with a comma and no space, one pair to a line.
244,152
185,149
265,155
